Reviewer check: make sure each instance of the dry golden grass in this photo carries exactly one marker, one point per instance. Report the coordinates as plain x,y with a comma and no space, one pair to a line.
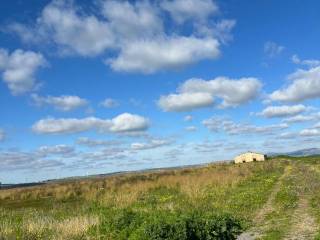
124,189
75,226
64,229
6,229
67,210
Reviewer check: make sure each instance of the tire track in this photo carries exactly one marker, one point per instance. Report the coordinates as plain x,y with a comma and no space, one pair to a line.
257,231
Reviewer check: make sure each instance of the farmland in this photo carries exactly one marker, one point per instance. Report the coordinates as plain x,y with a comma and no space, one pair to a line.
275,199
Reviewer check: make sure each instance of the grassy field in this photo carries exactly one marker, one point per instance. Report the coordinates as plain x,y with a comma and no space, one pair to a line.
276,199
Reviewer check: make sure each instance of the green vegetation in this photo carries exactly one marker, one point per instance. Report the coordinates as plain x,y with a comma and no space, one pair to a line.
284,203
219,201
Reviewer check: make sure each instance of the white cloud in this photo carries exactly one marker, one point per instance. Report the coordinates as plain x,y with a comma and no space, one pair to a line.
95,143
191,128
304,84
233,92
299,118
308,62
123,123
306,133
17,160
185,101
220,30
155,143
73,32
132,35
83,34
2,135
127,122
132,20
197,93
282,111
67,125
216,124
91,158
109,103
62,103
310,132
188,118
272,49
163,53
63,150
183,10
19,69
287,135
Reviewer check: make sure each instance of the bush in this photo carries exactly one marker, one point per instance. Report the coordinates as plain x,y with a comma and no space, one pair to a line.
120,224
165,226
209,227
161,225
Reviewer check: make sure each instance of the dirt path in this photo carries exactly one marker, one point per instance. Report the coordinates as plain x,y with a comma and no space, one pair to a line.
256,232
304,226
268,206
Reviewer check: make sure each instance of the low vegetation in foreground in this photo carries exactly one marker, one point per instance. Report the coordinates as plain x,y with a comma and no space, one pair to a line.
265,200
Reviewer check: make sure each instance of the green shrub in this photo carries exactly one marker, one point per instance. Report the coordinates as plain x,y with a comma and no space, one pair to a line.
167,225
161,225
120,223
211,227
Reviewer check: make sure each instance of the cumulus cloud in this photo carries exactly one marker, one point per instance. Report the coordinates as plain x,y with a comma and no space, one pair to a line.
197,93
132,20
307,133
2,135
109,103
185,101
304,84
183,10
132,35
164,53
73,32
154,143
216,124
68,125
127,122
272,49
123,123
233,92
308,62
282,111
62,103
19,68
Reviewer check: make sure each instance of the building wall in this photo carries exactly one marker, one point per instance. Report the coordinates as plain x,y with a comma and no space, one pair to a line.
249,157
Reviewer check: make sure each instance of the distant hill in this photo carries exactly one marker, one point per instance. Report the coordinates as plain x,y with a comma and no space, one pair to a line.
299,153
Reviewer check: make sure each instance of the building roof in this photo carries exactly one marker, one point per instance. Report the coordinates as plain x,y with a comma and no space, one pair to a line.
250,152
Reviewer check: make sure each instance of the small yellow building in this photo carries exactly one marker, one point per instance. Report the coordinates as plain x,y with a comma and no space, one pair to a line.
250,157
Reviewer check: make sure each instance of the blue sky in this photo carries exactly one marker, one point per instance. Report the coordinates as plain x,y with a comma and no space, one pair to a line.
110,86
